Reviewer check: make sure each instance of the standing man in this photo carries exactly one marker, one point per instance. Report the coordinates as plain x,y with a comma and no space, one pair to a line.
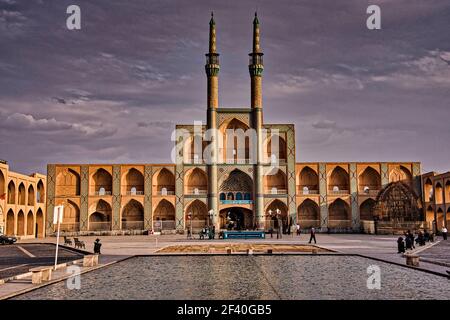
280,227
313,235
298,228
444,233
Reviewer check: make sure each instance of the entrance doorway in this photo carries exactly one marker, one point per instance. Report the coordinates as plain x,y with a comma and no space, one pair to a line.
236,218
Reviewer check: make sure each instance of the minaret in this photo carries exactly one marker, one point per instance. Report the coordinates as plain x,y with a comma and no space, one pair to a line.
256,68
212,73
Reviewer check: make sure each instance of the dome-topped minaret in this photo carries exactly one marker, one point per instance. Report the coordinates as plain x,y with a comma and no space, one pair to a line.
256,68
212,72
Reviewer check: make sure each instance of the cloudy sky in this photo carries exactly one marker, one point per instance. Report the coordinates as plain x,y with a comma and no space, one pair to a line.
113,91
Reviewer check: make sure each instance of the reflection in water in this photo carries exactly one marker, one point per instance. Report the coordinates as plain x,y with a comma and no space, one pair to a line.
248,277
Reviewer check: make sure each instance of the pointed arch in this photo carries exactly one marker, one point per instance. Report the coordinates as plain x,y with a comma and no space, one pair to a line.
40,197
276,148
39,224
366,209
237,139
339,210
196,182
31,196
22,194
133,182
447,191
11,192
428,190
338,181
270,213
440,221
308,214
133,216
164,211
30,223
438,193
308,181
102,182
68,183
2,184
198,212
397,202
275,182
429,215
164,182
101,217
400,174
10,223
236,184
20,223
369,181
71,219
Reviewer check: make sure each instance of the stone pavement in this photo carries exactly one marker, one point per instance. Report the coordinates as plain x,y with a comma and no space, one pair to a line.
18,259
22,283
117,248
438,254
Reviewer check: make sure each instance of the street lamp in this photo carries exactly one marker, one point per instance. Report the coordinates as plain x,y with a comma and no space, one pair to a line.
280,223
190,225
210,216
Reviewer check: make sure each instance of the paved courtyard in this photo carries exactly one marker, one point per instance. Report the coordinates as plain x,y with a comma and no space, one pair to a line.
19,258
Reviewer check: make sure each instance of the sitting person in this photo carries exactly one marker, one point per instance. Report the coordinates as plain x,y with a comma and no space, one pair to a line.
426,236
408,242
400,245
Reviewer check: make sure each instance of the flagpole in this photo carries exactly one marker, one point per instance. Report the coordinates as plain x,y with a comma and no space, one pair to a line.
57,234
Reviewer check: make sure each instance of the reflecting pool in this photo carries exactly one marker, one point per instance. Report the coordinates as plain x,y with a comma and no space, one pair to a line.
249,277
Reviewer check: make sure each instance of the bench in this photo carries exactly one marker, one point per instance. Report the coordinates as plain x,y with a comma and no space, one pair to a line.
67,241
41,274
90,260
79,244
244,235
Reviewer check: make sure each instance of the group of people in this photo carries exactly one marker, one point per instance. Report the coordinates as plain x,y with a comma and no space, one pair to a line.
410,241
208,232
296,230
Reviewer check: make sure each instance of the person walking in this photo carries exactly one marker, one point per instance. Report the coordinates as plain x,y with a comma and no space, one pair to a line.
298,228
411,236
444,233
97,246
312,235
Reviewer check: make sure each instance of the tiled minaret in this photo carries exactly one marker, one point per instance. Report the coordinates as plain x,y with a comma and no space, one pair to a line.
212,73
256,68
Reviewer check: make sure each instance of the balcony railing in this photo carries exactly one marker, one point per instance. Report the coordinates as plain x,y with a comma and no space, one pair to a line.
300,191
159,225
101,193
339,223
135,193
196,224
236,201
338,191
196,191
369,192
100,226
166,193
132,225
277,191
69,227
